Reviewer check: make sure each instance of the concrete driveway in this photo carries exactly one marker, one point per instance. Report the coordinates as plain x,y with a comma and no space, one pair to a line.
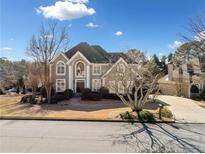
184,110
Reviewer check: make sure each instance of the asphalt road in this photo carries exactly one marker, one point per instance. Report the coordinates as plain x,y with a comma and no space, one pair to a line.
64,136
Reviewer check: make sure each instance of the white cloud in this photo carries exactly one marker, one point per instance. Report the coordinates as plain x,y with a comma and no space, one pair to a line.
11,39
119,33
78,1
175,45
6,49
91,25
66,10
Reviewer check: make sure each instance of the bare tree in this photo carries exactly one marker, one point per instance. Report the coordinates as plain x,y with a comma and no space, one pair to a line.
196,36
195,47
34,77
43,48
137,56
133,86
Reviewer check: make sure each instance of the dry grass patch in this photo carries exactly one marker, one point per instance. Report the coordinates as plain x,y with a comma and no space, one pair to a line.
10,107
72,109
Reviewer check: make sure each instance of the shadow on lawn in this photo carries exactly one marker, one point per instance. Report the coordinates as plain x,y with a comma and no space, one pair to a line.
82,107
76,104
159,138
154,105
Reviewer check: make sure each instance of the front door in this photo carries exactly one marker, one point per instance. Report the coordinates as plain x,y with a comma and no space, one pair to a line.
80,85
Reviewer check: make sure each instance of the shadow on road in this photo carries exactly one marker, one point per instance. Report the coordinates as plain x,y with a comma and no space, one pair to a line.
160,138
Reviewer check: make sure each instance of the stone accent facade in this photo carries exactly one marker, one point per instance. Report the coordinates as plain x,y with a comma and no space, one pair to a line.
170,85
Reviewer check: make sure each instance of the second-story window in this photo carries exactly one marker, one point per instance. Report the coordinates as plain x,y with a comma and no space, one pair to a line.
60,69
121,68
96,70
80,69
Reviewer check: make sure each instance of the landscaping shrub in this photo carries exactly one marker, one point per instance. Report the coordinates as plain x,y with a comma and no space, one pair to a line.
127,116
69,93
57,98
145,116
165,112
27,99
95,96
194,89
111,96
202,95
104,91
86,94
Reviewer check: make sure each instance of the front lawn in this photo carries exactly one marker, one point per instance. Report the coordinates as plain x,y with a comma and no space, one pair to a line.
10,107
74,108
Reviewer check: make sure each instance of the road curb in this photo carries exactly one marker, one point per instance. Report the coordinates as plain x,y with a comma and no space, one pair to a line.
85,120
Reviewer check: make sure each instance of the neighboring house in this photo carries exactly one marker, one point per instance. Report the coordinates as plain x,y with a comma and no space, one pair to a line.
86,66
171,84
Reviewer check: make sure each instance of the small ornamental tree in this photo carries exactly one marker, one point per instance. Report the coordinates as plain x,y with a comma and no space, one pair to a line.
134,86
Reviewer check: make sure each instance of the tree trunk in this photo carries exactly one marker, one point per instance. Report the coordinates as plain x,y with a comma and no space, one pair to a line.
33,93
48,92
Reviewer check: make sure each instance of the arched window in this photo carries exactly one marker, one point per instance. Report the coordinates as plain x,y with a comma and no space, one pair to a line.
60,68
80,69
121,68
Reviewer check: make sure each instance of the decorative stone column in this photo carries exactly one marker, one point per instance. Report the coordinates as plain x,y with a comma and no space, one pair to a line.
70,77
88,76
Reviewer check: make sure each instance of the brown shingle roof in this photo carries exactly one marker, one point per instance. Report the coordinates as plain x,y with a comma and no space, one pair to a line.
96,54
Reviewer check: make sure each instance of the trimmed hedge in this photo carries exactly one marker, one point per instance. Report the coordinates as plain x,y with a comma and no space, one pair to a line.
145,116
104,91
69,93
87,94
111,96
57,98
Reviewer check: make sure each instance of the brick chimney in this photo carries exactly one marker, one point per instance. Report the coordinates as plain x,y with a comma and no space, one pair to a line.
170,72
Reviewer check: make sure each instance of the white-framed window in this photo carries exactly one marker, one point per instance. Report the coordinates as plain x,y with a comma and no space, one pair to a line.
60,85
96,69
80,69
96,84
121,68
112,87
121,88
60,68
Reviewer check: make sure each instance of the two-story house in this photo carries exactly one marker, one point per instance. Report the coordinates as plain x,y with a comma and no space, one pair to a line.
86,66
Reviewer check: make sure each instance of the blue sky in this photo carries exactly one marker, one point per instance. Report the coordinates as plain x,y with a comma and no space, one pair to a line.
116,25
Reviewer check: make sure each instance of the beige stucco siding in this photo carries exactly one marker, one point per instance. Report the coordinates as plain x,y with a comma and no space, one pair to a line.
113,75
172,88
54,76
